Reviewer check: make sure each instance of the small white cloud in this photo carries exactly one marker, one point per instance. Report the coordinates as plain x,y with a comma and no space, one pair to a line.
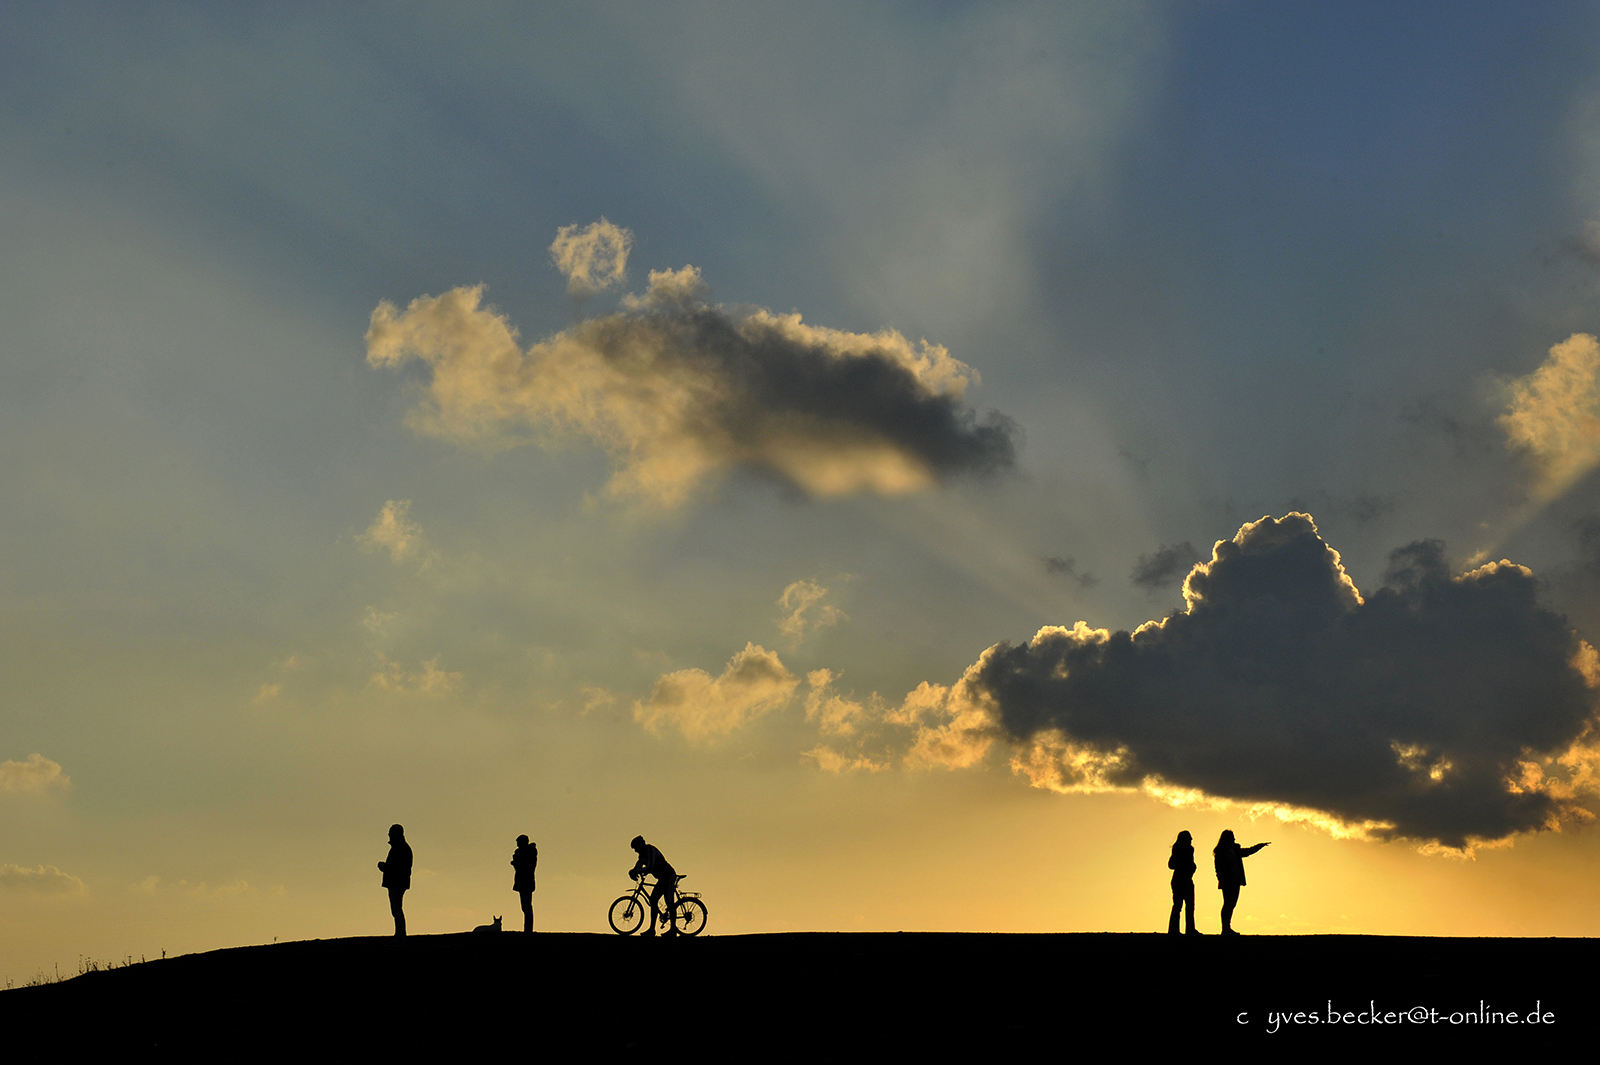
1554,415
45,880
596,697
37,776
375,620
592,258
429,680
702,706
394,531
797,602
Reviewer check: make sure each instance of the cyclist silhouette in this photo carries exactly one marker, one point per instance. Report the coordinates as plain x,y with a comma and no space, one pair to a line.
651,863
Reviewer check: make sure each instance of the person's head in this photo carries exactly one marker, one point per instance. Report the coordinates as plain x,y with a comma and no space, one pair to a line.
637,843
1183,839
396,832
522,841
1226,839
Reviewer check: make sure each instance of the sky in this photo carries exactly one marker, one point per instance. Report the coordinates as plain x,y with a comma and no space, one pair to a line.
907,461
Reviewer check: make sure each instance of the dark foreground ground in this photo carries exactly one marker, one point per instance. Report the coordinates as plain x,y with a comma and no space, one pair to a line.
821,996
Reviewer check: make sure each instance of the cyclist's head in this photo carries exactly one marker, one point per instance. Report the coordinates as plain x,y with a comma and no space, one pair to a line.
637,843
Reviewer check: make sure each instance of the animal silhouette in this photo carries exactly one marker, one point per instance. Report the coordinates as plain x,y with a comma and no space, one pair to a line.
489,927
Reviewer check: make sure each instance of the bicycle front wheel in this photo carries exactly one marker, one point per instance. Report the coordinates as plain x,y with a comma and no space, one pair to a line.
691,917
628,914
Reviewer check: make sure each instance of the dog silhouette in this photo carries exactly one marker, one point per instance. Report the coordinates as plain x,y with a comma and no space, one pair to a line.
489,927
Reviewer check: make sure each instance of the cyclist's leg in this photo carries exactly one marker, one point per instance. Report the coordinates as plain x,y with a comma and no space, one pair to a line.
656,891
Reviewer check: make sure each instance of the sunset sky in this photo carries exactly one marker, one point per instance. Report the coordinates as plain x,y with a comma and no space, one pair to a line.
761,427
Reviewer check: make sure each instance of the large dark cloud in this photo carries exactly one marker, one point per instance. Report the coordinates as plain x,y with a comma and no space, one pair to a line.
1417,708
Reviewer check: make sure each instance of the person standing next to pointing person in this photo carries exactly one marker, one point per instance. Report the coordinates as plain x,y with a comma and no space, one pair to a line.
1182,865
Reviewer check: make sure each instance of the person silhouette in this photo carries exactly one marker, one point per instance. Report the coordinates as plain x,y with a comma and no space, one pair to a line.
397,875
652,863
1230,875
1182,865
523,861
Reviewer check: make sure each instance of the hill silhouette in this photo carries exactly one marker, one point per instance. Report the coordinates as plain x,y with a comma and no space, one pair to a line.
793,996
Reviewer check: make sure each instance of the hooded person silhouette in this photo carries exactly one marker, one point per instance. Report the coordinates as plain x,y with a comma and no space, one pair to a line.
525,858
397,875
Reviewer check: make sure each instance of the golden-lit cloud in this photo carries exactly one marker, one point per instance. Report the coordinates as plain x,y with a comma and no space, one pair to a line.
804,611
933,727
44,880
703,707
831,761
592,258
678,391
1553,417
1050,760
37,776
596,697
833,714
394,531
667,288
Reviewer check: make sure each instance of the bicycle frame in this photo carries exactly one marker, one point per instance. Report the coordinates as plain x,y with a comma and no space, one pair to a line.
628,913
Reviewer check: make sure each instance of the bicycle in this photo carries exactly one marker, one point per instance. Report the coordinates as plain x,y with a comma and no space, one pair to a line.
628,913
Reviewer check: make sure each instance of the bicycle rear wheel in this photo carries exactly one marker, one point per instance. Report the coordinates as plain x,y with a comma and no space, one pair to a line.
691,916
627,914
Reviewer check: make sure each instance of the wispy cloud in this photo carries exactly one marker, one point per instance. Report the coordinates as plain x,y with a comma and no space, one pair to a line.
1067,567
1167,565
804,610
394,531
429,679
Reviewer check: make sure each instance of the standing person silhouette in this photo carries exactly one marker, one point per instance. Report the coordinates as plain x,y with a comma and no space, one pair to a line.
523,861
397,875
1230,875
652,863
1182,865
